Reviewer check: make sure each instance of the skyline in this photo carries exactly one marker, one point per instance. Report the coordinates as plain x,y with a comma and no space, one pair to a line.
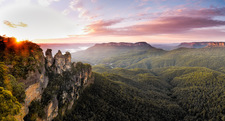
97,21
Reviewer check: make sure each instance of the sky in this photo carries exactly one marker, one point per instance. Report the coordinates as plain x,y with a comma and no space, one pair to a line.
97,21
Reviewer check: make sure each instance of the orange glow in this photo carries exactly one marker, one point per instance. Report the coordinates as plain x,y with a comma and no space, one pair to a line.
19,40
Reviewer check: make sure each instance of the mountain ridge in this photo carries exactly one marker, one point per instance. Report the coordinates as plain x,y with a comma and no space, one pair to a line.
201,44
125,44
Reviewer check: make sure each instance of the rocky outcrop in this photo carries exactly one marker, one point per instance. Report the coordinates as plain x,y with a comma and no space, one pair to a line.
71,78
57,86
49,58
59,62
216,44
62,62
202,44
67,65
74,78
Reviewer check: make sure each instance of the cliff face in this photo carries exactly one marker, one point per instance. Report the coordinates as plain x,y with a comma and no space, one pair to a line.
57,86
216,44
74,77
202,44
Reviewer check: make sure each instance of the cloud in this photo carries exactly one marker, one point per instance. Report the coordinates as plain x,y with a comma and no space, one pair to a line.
34,21
12,25
168,25
171,25
78,5
204,12
46,2
170,22
102,27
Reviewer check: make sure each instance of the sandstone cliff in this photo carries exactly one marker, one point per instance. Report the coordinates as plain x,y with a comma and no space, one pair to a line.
56,87
202,44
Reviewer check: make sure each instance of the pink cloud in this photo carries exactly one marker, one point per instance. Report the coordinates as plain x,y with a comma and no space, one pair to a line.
177,21
167,25
204,12
78,5
102,27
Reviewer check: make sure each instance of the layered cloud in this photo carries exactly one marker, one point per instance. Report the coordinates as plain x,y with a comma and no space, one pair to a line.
98,19
169,22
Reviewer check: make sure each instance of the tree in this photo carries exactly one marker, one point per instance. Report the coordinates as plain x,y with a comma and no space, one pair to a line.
9,106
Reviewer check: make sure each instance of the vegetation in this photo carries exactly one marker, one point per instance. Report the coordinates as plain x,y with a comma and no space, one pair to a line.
151,58
130,84
199,91
16,61
10,83
9,106
21,57
36,109
113,100
171,93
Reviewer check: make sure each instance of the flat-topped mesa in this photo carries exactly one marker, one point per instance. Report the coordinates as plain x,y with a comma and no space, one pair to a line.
216,44
60,62
124,44
202,44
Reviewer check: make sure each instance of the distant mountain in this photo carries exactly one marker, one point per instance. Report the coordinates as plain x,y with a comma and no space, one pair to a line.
166,46
202,44
100,52
124,44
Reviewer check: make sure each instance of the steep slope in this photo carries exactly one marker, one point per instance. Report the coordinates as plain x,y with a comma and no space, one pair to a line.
172,93
112,98
50,84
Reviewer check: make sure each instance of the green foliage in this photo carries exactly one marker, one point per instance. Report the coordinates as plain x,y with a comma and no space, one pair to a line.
113,97
18,89
199,91
22,57
9,106
36,109
212,58
10,83
4,79
109,54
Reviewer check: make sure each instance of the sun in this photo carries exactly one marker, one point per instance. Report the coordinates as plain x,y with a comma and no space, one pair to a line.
18,40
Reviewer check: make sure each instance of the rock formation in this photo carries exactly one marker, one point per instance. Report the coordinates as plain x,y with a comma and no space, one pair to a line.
79,76
49,58
202,44
61,62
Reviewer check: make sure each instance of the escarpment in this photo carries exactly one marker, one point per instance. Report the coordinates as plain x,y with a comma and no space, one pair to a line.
64,81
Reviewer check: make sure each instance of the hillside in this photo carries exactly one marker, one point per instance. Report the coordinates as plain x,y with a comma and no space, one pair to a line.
210,57
172,93
96,54
113,97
